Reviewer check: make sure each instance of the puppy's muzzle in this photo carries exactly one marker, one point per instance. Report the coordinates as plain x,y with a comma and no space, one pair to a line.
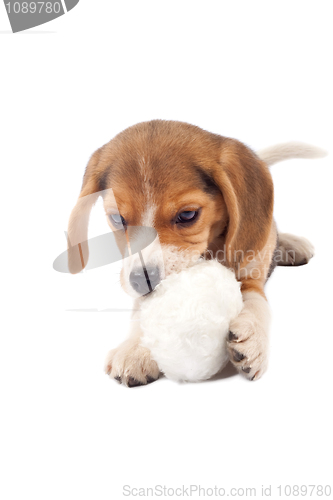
145,280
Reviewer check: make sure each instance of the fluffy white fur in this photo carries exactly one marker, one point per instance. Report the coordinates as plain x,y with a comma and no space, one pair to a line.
185,321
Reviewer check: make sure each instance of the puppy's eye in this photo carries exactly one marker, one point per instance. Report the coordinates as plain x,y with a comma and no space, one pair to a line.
117,220
187,216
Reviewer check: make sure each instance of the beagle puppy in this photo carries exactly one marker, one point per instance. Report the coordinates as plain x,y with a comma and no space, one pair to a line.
204,195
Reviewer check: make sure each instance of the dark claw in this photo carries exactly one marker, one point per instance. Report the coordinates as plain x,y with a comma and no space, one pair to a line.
246,370
238,356
254,376
118,379
232,337
132,382
150,379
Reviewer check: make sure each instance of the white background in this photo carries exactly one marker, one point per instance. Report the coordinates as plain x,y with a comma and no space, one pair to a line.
257,71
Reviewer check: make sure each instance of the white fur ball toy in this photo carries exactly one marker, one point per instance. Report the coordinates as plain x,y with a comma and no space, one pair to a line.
185,321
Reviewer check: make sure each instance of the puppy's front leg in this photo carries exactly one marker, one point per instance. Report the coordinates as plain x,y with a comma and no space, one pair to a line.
248,336
130,363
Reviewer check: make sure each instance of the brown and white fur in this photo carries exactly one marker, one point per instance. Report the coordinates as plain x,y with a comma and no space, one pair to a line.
154,171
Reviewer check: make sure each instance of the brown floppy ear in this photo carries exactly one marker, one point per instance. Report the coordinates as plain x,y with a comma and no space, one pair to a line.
77,236
247,188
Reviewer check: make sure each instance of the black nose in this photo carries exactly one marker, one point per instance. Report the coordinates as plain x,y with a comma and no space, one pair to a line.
145,280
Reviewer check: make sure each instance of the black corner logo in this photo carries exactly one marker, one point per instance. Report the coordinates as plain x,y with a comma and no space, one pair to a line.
25,15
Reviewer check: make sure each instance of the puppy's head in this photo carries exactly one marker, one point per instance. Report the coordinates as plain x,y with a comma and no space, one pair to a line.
196,189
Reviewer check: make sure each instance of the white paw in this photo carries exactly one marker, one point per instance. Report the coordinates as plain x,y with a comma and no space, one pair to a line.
131,364
248,345
294,250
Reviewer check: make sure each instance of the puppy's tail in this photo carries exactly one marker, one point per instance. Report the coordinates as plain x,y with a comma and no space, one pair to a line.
289,150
